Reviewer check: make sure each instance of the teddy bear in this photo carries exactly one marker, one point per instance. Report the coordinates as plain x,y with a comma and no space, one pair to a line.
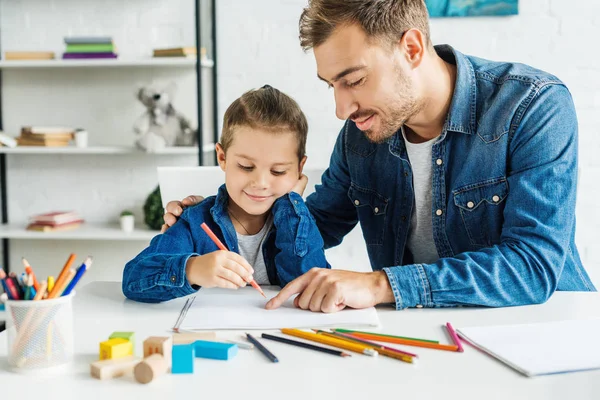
161,125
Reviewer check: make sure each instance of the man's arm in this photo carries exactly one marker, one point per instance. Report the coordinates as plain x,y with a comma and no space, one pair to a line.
538,221
330,206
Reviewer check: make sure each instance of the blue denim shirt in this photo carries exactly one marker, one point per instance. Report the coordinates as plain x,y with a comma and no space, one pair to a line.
291,248
503,193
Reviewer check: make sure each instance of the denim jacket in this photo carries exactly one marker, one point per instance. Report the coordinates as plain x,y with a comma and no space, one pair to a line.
504,176
291,248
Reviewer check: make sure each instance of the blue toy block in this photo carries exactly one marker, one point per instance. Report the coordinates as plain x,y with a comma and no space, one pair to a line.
183,359
215,350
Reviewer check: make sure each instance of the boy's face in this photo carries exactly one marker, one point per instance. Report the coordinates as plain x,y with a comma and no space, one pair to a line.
260,166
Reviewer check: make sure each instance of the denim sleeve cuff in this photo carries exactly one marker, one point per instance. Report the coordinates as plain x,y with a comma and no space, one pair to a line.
410,286
174,275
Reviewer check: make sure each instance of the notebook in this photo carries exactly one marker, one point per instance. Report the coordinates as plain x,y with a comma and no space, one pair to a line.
541,348
216,309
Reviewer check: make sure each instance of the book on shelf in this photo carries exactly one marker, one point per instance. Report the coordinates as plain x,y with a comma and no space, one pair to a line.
88,40
55,218
21,141
91,48
178,52
54,228
7,141
50,136
88,56
29,55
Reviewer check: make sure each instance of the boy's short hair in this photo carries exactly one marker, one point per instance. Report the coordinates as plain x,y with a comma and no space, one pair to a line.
269,109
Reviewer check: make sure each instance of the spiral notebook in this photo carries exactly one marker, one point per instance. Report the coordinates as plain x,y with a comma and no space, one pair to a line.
542,348
215,309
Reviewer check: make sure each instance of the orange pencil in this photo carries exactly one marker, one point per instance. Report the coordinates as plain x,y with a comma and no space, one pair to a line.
406,342
59,287
61,277
29,271
221,246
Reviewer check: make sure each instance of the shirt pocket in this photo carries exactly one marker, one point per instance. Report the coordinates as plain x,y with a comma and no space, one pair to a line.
371,208
481,207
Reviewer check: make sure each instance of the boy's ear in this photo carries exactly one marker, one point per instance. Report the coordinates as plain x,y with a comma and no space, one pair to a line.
301,166
220,156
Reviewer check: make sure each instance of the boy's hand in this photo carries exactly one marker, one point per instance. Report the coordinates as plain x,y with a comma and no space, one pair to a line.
175,208
224,269
300,185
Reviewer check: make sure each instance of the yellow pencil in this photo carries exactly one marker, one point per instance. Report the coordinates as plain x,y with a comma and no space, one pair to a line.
50,283
341,344
380,349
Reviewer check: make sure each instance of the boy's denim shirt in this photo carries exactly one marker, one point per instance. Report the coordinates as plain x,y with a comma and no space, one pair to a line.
504,182
292,247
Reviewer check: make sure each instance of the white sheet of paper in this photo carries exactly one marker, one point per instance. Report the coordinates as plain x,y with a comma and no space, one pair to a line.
543,348
245,309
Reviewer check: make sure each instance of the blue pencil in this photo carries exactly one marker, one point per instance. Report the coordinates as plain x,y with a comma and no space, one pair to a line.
80,271
262,348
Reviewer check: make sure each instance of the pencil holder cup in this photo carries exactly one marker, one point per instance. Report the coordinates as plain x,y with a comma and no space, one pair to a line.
40,333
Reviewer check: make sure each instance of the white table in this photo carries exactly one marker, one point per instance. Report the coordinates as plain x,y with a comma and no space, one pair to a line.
100,309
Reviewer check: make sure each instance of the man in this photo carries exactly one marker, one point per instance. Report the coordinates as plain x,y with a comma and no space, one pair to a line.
461,171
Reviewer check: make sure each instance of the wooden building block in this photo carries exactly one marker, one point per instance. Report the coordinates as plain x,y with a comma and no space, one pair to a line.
186,338
115,348
161,345
150,368
107,369
183,359
125,335
215,350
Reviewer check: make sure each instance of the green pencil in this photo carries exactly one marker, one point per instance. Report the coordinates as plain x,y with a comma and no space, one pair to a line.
381,334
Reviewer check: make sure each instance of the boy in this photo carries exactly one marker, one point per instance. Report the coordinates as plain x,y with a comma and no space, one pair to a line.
261,220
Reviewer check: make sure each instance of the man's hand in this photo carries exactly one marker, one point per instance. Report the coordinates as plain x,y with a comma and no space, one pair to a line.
175,208
300,186
329,290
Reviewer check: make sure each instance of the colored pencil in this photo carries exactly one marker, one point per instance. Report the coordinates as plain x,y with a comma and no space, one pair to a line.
29,271
454,337
241,345
41,291
61,277
80,271
405,342
262,348
340,344
379,349
306,345
58,289
350,331
369,343
221,246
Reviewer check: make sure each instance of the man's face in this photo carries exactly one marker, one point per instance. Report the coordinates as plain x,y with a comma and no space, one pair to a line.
370,80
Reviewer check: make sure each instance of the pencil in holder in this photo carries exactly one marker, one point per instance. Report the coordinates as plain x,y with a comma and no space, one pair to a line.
40,333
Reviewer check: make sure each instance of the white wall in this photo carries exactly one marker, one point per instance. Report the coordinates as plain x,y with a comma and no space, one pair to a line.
258,44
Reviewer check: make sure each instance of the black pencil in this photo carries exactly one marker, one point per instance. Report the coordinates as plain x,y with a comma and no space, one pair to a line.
262,348
305,345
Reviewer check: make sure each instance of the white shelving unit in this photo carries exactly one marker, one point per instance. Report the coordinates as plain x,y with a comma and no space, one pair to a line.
118,62
103,150
87,231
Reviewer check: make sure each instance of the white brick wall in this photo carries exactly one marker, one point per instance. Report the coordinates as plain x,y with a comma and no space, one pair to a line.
258,44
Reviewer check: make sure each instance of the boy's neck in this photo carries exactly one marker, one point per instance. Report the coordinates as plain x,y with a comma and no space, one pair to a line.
244,223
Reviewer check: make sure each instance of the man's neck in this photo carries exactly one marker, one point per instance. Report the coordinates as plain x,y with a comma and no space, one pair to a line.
428,123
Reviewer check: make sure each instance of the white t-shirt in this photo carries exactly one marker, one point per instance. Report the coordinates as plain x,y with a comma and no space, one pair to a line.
420,235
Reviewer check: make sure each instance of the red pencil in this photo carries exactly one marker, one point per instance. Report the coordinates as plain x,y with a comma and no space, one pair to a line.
221,246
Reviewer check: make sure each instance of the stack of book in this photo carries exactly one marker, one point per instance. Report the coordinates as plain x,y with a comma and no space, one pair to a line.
50,136
54,221
178,52
28,55
92,47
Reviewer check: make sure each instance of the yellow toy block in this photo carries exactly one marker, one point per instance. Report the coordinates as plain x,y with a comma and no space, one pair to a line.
115,348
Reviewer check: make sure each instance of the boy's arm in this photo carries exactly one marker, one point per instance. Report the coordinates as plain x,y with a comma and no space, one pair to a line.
297,238
330,206
158,273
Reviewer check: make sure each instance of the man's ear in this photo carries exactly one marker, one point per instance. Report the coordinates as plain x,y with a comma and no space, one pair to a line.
301,165
220,156
413,43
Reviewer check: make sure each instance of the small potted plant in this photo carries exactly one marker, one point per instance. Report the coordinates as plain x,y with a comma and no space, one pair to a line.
127,221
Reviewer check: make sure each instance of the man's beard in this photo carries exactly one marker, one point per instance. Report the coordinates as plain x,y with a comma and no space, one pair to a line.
400,111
